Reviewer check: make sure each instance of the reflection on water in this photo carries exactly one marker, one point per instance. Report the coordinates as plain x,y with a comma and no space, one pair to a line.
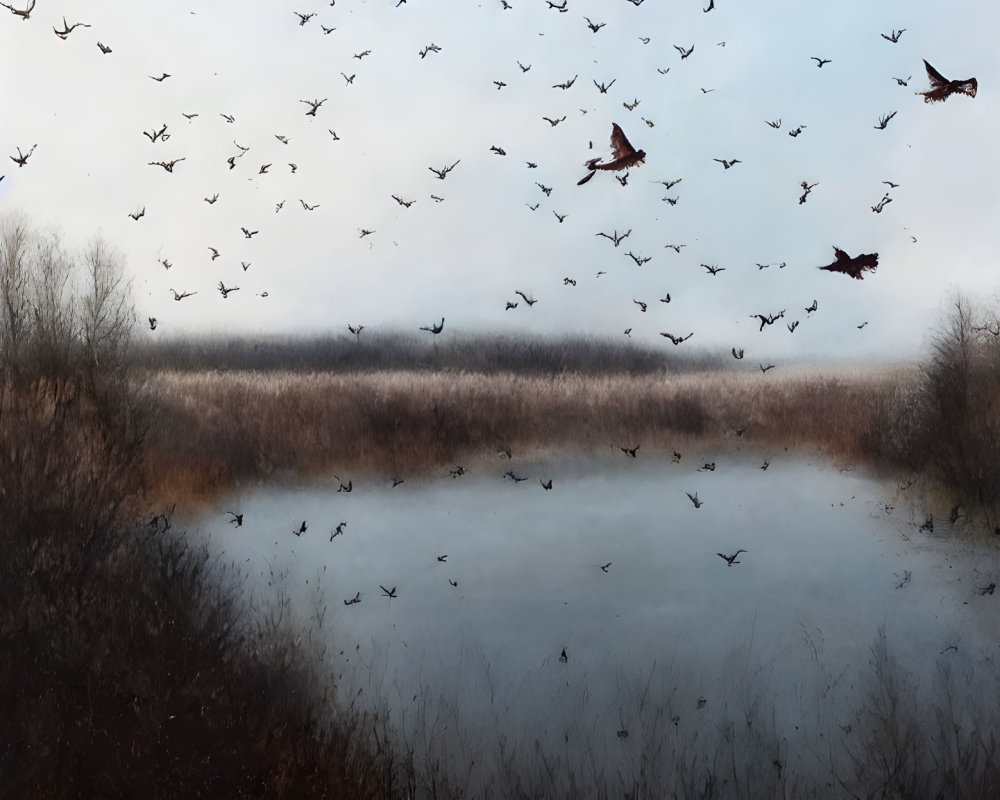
668,625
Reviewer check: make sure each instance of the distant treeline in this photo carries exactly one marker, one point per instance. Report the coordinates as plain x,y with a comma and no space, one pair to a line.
394,351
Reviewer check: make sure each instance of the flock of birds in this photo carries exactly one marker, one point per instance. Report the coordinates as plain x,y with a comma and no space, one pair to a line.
623,160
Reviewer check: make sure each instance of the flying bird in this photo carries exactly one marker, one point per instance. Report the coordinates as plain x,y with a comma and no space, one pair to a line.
167,165
694,499
676,339
22,158
855,267
104,48
727,164
388,592
443,172
235,519
942,88
152,323
883,121
435,329
529,300
68,29
162,77
22,13
684,53
730,560
137,215
737,354
894,36
713,270
554,122
594,26
353,600
182,295
623,154
764,369
215,253
820,61
225,292
356,330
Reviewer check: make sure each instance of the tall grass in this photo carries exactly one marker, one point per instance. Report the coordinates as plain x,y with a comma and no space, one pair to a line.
215,429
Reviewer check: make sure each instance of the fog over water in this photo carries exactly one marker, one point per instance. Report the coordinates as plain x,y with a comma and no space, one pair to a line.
832,557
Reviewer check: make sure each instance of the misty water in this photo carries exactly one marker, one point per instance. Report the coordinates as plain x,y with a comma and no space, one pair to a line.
669,640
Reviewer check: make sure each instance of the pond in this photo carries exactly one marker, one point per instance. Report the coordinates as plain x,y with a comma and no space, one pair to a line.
599,615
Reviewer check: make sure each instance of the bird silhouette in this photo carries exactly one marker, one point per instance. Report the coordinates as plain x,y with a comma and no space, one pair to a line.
338,531
806,189
356,330
529,300
443,558
68,29
730,560
349,79
301,530
794,133
167,165
709,467
676,339
855,267
727,164
22,13
22,158
162,77
388,592
182,295
774,124
137,215
362,54
563,657
235,519
623,155
813,307
308,207
345,487
630,451
883,121
435,329
665,298
605,567
764,369
249,234
443,172
225,292
820,61
353,600
215,253
152,323
431,48
737,354
684,53
104,48
314,105
942,88
642,305
713,269
303,18
694,499
559,216
894,36
546,485
603,87
510,306
675,247
211,200
618,238
154,135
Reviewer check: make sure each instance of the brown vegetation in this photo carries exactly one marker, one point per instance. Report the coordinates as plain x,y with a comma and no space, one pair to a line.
216,429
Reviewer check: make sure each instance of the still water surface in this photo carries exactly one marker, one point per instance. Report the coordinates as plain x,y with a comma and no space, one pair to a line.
831,557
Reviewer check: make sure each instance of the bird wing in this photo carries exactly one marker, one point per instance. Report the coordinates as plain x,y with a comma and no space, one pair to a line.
620,146
936,78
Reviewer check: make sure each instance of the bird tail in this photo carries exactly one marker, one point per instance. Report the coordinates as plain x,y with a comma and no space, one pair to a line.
586,177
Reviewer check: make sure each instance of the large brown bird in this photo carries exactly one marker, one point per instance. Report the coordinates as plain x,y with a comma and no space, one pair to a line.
942,88
855,267
624,155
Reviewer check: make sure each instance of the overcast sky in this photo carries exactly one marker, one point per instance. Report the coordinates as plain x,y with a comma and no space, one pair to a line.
463,257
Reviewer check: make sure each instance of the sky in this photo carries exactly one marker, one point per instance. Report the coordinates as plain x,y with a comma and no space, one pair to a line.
495,230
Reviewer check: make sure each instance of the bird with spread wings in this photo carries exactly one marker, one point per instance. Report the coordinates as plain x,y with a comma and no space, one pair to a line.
623,155
942,88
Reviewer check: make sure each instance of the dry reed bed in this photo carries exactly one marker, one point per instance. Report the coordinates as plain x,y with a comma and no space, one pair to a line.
216,429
